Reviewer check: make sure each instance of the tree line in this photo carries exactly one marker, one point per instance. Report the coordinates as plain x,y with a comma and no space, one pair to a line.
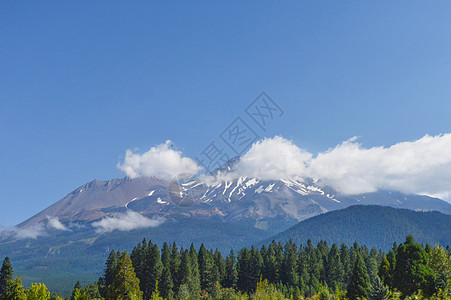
276,271
296,272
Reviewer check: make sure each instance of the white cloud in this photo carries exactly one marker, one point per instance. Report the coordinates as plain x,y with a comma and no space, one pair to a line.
420,167
273,158
55,223
34,231
158,161
126,221
30,232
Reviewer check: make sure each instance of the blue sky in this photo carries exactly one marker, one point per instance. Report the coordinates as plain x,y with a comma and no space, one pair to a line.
81,82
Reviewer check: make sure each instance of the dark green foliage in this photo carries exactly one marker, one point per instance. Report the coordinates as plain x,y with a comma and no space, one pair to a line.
412,272
166,285
125,284
346,262
359,286
370,225
384,271
219,266
289,270
207,279
195,288
372,265
334,268
244,282
378,290
175,265
166,255
295,272
6,276
110,268
153,269
231,273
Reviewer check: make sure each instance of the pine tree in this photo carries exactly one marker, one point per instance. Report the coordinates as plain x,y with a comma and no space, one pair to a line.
412,271
256,266
139,258
195,282
289,269
378,290
155,268
371,265
270,270
313,268
6,276
346,261
359,285
110,268
205,268
166,255
231,273
244,270
166,284
175,265
220,265
334,268
185,272
385,271
125,284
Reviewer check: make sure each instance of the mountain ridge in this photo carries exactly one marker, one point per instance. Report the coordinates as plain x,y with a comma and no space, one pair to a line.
374,225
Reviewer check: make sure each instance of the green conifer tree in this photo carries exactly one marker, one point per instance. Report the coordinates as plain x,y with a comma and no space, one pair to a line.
378,290
289,269
334,268
359,286
175,265
166,284
205,268
110,268
412,271
195,281
6,276
155,268
125,284
231,273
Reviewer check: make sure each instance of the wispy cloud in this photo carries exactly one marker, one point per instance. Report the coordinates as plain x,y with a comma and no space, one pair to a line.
126,221
34,231
55,223
30,232
161,160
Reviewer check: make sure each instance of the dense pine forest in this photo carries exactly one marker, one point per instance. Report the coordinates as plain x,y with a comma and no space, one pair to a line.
276,271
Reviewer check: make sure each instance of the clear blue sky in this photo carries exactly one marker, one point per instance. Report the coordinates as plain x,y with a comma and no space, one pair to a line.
82,81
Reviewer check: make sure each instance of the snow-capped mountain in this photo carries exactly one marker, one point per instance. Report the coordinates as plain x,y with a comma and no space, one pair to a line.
269,205
80,230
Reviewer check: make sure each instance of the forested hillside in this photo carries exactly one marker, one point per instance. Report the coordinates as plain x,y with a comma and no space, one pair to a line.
378,226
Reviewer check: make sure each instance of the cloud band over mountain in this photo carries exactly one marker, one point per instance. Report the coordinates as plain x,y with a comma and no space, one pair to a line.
422,166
